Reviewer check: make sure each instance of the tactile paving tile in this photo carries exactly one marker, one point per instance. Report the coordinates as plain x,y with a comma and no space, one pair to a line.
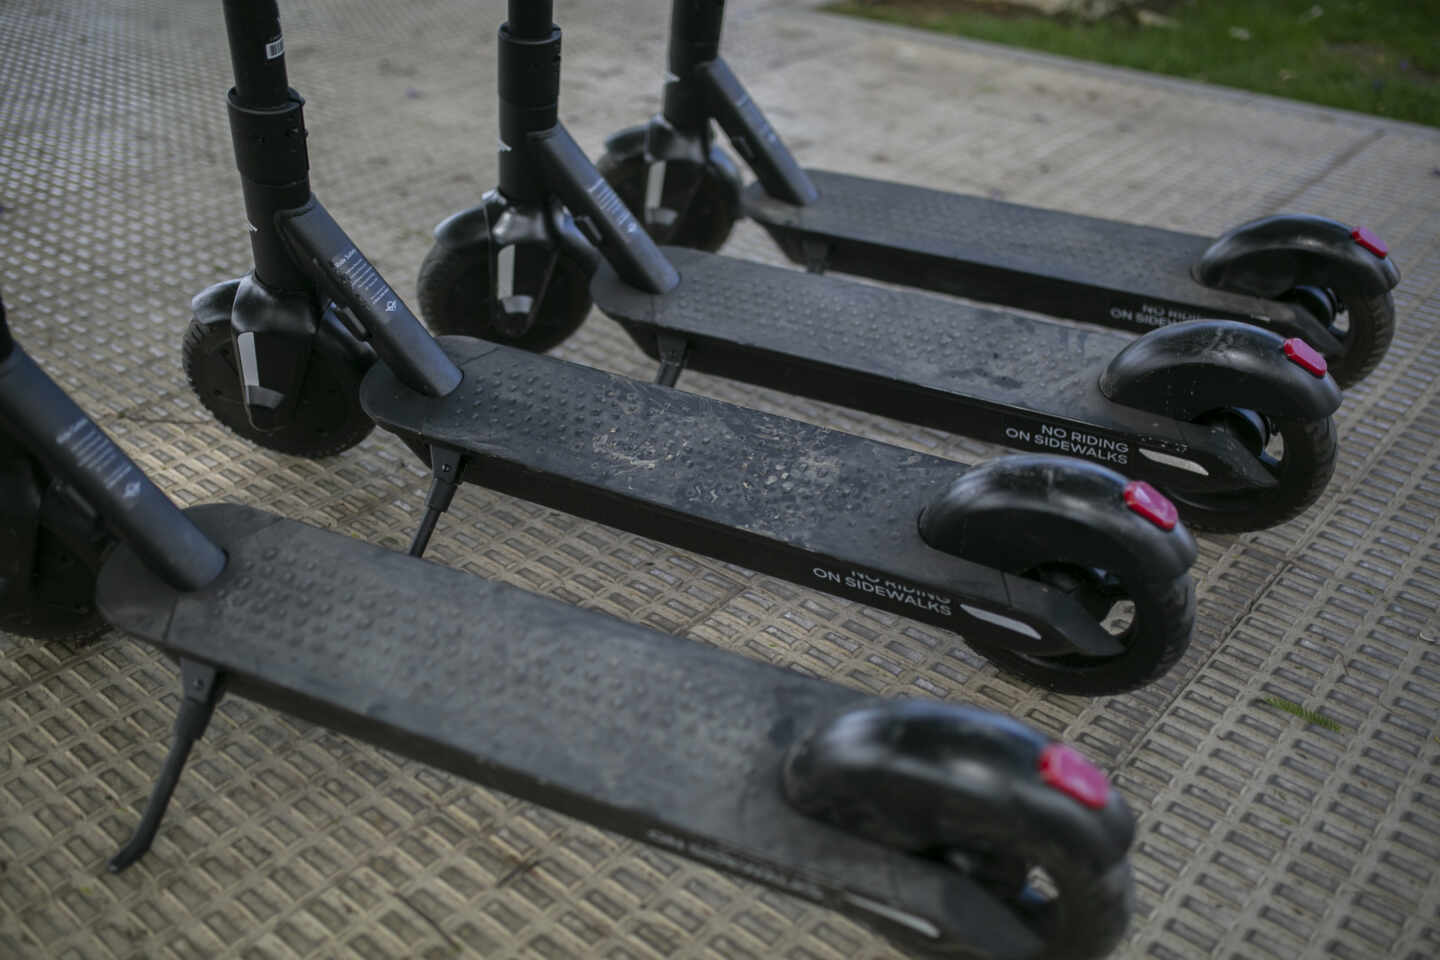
1260,835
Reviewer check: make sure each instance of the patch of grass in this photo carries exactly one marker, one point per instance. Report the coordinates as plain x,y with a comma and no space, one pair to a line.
1375,56
1309,716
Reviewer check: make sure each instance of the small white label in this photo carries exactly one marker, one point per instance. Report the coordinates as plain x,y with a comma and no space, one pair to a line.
97,454
1009,623
505,270
275,48
655,185
862,582
1153,314
1066,440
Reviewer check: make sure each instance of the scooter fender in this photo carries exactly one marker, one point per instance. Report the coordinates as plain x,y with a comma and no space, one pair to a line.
1020,512
628,142
272,334
497,221
1189,369
467,227
1271,256
658,140
918,775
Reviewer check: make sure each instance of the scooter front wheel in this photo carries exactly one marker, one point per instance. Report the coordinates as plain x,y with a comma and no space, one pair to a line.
59,600
327,419
61,605
1299,454
707,212
457,297
1152,622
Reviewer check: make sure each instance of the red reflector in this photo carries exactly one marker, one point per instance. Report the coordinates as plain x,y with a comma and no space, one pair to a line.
1367,239
1151,504
1305,356
1065,769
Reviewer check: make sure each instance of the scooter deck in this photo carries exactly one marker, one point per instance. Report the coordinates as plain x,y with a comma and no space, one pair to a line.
913,356
1062,264
815,506
669,741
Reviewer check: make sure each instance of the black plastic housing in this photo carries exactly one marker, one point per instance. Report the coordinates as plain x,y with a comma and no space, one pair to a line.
1189,369
336,263
1020,512
529,85
68,443
1274,255
695,27
891,774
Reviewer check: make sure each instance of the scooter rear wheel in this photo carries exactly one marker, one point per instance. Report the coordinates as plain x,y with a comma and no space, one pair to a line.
1153,623
328,418
1365,337
456,298
948,783
709,215
1302,468
1076,911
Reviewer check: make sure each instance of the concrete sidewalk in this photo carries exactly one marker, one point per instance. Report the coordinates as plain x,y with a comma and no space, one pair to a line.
1259,835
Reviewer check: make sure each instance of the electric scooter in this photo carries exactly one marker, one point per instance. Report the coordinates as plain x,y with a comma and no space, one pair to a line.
1064,572
1228,420
1300,276
923,820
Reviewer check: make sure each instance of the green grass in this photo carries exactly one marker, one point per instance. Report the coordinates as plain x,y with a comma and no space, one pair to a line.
1375,56
1309,716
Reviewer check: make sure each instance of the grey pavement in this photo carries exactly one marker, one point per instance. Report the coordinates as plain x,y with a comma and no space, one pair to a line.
1259,835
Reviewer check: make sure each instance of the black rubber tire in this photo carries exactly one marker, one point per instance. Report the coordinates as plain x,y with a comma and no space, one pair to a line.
1156,638
61,605
454,287
328,418
1371,327
706,222
1089,912
64,610
1304,471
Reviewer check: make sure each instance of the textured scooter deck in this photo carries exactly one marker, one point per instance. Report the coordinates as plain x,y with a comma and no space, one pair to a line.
1084,268
900,353
776,495
653,736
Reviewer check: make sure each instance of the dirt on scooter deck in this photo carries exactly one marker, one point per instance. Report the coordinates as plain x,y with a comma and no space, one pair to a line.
920,358
1063,264
819,507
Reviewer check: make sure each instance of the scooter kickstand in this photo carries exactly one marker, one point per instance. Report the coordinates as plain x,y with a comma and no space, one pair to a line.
201,688
446,463
672,358
816,254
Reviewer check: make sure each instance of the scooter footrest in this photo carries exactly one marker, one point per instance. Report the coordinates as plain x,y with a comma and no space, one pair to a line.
652,736
844,340
773,494
1046,260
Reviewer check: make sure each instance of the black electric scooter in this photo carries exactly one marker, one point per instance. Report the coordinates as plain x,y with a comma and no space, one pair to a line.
1299,276
922,819
1229,420
1059,570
